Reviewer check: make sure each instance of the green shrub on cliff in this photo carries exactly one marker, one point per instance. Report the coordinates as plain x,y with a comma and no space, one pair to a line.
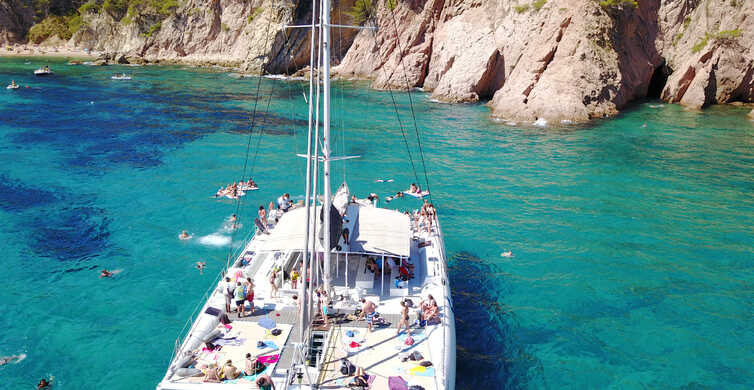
538,4
62,26
619,3
361,11
521,8
90,7
720,38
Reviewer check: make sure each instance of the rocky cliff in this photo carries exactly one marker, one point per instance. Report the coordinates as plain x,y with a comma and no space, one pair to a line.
529,59
562,60
15,20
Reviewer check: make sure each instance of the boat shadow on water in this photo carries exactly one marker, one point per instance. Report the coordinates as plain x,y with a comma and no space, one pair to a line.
489,352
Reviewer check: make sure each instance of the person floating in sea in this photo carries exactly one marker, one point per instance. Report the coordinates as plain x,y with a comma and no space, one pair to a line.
200,266
105,273
44,384
184,235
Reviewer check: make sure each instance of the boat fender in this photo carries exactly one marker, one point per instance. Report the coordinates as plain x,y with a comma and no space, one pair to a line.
212,336
186,372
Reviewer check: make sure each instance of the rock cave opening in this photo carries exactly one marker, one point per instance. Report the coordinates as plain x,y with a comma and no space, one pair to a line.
658,81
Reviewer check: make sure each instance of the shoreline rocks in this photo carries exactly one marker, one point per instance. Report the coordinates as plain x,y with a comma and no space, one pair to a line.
549,61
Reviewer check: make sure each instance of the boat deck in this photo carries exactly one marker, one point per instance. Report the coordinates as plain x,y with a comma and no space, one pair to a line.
382,353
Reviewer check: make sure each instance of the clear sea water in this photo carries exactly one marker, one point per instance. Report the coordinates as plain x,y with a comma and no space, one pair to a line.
632,267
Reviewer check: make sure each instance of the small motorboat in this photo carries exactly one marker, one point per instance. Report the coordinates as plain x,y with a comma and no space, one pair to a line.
45,71
121,76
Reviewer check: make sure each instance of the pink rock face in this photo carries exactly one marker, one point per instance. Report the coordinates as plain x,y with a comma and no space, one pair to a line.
567,60
570,60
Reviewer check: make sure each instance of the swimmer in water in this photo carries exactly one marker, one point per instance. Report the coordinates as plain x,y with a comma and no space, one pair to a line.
507,254
200,266
184,235
105,273
44,384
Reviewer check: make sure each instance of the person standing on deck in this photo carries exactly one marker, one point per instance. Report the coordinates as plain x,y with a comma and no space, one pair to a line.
240,298
367,312
404,319
250,293
228,290
273,283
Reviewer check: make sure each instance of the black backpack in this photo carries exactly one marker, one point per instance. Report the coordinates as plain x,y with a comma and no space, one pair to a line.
346,367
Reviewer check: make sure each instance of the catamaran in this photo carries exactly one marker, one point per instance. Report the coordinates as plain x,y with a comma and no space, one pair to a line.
331,280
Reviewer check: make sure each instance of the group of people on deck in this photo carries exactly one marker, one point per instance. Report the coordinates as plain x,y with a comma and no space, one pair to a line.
229,372
236,189
242,291
428,312
266,219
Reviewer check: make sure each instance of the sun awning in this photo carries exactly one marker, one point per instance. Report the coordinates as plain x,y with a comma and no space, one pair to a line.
375,231
289,233
381,231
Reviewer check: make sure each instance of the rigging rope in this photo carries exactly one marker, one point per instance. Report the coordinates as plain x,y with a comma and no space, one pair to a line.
248,145
411,101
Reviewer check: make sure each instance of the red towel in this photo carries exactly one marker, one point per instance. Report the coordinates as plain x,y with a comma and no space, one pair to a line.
354,344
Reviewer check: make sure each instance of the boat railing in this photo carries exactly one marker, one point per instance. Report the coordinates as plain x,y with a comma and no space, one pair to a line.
449,305
205,298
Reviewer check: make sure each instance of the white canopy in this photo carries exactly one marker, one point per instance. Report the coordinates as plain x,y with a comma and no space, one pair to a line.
375,231
381,231
289,233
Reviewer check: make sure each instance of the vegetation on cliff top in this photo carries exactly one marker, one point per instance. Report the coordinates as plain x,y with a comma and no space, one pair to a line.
64,17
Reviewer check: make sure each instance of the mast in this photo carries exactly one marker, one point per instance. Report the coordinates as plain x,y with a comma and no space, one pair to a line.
305,261
325,21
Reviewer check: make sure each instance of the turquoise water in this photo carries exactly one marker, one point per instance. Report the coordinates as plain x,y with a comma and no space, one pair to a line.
632,267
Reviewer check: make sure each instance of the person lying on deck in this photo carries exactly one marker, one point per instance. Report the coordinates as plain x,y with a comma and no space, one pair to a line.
361,379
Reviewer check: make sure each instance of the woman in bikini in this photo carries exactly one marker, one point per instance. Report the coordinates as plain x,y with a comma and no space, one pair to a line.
404,319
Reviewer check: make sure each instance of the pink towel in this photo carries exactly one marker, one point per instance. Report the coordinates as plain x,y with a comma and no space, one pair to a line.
269,359
354,344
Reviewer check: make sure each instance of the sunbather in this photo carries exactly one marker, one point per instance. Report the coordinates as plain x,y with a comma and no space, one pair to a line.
230,371
211,374
361,379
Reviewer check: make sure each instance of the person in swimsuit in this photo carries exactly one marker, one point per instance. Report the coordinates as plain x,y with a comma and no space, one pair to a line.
325,300
250,293
361,379
273,284
200,266
44,384
294,278
404,319
265,383
105,273
184,235
367,312
240,298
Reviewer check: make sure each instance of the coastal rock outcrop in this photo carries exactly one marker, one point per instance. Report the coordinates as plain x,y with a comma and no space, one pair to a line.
530,60
568,60
15,20
710,47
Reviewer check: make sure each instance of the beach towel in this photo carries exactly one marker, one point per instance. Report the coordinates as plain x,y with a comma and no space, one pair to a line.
354,344
422,371
268,359
397,383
